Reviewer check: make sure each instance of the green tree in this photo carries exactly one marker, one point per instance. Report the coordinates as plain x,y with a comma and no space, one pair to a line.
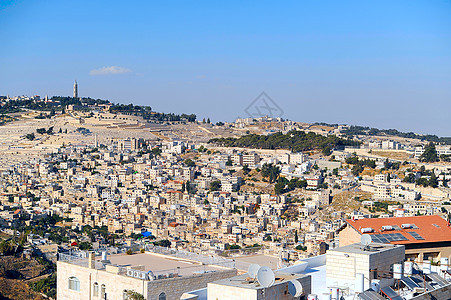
215,185
279,187
163,243
156,151
327,151
271,171
433,181
132,295
335,172
189,162
85,246
429,154
41,130
246,169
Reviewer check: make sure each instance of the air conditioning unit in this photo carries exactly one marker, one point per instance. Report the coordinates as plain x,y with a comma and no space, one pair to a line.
130,272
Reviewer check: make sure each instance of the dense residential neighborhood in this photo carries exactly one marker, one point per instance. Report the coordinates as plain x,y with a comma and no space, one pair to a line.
96,180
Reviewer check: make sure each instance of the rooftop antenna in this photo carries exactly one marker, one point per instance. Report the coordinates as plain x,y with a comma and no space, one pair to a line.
366,240
295,288
252,270
265,277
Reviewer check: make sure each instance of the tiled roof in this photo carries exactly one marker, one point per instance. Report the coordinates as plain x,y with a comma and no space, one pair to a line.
429,228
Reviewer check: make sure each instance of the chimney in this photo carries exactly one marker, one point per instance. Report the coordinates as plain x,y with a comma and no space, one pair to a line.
91,260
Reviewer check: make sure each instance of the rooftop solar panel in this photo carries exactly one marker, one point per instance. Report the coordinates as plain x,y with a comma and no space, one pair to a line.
409,283
420,281
415,235
435,277
370,295
388,237
390,293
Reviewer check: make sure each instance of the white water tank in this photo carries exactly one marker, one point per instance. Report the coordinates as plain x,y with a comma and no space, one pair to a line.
406,226
104,255
408,268
444,262
426,267
387,228
397,271
359,283
366,230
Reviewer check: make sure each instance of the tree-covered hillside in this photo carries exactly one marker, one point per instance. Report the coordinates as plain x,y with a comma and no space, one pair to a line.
293,140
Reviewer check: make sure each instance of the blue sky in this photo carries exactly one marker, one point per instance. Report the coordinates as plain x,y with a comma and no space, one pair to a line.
385,64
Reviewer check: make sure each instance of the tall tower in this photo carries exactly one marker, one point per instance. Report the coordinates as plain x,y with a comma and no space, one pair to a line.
75,89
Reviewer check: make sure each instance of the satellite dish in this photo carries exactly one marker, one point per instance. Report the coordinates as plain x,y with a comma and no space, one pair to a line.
265,277
366,240
295,288
252,270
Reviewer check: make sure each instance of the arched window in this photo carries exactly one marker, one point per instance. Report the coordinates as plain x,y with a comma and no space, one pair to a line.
102,291
96,289
162,296
74,284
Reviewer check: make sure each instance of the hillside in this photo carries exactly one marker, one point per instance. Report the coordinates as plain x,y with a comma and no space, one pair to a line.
293,140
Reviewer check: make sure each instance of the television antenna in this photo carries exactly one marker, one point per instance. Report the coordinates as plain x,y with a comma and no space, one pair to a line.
295,288
265,277
252,270
366,240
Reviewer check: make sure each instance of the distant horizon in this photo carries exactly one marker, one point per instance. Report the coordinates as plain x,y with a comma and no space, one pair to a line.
386,64
223,120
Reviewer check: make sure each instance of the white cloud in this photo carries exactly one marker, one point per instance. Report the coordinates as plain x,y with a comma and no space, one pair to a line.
111,70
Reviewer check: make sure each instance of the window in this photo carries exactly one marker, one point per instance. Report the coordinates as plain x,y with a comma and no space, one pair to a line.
96,289
74,284
102,291
162,296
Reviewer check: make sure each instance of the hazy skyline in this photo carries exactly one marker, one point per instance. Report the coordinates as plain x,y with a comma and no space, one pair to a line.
384,64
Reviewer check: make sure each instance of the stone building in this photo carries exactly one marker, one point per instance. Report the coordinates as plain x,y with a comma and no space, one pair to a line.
155,276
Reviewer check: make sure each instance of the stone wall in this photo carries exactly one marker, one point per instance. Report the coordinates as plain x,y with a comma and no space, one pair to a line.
348,236
278,291
116,284
175,287
342,267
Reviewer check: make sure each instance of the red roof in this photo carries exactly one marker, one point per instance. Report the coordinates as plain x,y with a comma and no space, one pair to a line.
430,228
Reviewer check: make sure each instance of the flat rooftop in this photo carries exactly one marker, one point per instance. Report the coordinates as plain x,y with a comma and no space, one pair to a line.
242,281
360,249
161,264
242,263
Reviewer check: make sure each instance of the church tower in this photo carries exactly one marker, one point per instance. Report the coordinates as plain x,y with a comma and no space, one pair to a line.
75,89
